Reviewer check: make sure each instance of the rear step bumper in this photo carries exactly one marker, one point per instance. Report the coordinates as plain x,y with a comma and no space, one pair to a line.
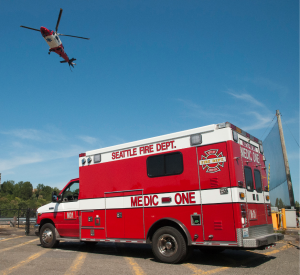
262,241
258,236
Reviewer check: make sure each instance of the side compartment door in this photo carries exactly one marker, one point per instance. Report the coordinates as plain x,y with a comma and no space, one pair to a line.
216,197
114,217
92,224
125,215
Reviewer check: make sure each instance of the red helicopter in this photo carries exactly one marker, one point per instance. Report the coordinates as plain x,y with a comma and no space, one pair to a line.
52,39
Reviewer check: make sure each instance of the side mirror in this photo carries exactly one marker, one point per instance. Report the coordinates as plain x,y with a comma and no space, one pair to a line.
59,198
54,196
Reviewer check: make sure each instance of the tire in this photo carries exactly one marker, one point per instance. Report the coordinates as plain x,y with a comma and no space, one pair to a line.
168,245
189,253
47,236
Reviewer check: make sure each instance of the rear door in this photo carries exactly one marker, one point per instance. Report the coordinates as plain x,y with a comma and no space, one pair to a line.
216,197
256,213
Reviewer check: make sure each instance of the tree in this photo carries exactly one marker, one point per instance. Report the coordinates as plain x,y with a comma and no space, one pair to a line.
26,190
279,203
8,187
21,195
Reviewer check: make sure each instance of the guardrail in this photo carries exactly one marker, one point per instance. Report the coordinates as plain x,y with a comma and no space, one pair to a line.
7,221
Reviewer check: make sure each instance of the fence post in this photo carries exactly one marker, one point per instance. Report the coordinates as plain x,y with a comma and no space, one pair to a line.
283,218
19,217
27,226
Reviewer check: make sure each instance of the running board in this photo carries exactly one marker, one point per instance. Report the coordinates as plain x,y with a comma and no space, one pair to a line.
68,239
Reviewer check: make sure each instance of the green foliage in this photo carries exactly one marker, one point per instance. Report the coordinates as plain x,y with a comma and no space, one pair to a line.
279,203
297,204
21,195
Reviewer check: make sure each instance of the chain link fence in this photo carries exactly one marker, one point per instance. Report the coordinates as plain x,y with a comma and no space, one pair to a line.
22,218
279,193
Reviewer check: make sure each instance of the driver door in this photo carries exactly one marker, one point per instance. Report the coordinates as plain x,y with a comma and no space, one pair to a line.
68,225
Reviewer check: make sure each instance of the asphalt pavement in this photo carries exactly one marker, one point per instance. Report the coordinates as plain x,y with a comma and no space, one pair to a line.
23,254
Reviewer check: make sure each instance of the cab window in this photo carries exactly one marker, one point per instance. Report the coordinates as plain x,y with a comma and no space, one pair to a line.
248,178
71,192
257,178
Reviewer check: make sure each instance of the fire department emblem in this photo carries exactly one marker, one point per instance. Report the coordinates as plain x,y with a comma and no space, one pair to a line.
212,161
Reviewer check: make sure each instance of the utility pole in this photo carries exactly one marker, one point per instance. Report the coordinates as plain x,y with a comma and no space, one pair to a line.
286,162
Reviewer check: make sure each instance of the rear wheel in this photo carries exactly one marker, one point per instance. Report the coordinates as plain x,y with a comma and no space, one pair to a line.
47,236
168,245
189,253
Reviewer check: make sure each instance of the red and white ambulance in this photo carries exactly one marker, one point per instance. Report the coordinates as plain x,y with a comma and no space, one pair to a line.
204,187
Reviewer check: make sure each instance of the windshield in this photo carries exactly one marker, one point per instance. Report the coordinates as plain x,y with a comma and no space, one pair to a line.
71,193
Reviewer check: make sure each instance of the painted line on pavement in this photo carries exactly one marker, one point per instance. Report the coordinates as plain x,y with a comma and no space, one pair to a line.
136,268
15,246
235,263
76,264
3,240
28,260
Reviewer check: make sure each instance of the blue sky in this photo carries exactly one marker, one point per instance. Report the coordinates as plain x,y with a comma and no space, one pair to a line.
150,68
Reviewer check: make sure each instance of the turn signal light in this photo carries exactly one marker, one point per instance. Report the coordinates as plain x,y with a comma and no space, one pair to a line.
242,195
267,198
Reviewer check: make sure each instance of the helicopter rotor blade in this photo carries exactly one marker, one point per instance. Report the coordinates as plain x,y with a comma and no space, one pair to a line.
30,28
73,36
58,20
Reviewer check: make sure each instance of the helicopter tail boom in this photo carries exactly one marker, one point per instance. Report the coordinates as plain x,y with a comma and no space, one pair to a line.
70,62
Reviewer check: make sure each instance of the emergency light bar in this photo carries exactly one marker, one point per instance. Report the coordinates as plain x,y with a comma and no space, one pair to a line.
240,131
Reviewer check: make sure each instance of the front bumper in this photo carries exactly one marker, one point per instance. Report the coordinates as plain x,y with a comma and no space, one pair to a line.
261,235
37,229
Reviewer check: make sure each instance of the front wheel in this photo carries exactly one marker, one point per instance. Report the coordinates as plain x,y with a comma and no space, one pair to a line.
47,236
168,245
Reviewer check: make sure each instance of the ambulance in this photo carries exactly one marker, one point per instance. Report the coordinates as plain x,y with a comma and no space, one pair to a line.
203,188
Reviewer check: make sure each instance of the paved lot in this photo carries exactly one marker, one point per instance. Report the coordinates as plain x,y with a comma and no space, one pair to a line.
24,255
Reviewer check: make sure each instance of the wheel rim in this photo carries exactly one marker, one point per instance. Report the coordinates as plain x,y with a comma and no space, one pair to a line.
167,245
47,236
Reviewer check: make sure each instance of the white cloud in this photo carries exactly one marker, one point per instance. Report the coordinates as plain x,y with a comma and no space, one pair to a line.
260,117
248,98
88,139
39,155
196,111
52,135
261,122
269,84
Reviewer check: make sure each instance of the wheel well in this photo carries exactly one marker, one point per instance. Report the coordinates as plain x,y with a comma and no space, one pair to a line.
168,222
46,221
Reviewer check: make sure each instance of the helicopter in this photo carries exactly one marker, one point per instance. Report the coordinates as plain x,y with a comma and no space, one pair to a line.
54,42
